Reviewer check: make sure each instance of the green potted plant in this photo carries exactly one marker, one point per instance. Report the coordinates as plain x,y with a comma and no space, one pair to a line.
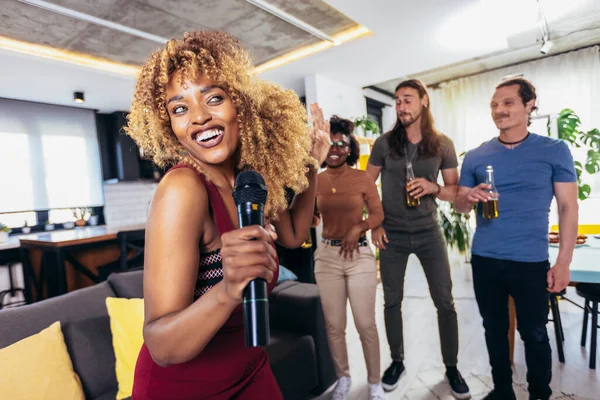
4,231
568,125
456,228
365,127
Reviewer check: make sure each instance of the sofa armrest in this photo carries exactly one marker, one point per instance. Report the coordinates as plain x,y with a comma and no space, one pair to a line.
296,307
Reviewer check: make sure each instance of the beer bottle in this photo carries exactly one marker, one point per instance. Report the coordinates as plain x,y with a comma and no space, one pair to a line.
410,175
490,208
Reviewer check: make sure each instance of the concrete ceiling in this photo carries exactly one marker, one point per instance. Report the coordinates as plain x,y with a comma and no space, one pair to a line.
410,38
264,35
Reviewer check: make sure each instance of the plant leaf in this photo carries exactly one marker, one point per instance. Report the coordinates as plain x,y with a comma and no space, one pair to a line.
456,228
566,112
592,163
568,126
578,170
584,192
592,139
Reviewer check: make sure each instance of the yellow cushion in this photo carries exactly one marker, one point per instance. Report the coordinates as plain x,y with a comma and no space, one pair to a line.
126,325
39,367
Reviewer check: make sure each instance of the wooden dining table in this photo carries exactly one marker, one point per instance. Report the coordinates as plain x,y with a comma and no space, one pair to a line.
585,268
84,248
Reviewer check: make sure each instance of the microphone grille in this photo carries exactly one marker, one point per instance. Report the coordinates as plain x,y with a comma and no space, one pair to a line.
250,187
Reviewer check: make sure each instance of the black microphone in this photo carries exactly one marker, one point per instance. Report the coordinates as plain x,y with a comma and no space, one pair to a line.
250,195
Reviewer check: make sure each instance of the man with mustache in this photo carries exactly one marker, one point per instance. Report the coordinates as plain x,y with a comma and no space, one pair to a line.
510,252
415,143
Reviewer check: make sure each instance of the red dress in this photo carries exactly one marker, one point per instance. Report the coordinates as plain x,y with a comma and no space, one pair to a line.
225,369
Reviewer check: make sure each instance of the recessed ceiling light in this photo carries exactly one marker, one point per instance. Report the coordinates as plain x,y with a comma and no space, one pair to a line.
78,97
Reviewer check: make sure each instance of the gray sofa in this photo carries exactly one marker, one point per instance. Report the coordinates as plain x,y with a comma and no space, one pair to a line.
299,352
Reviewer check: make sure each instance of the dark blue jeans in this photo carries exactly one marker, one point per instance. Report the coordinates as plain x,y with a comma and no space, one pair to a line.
494,280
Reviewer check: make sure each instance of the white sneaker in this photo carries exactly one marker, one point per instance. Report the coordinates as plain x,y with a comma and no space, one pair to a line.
342,388
375,391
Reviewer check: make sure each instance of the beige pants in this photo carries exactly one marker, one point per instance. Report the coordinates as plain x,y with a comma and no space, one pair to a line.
339,280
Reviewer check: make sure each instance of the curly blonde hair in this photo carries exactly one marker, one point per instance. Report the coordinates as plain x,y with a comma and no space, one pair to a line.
274,133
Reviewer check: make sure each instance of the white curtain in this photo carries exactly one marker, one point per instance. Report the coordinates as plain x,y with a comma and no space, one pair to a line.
49,157
571,80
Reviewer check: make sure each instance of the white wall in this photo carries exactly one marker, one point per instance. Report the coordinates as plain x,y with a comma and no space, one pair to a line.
346,101
335,97
37,79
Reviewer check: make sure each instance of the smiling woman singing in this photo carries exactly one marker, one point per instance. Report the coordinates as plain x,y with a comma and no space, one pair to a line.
198,110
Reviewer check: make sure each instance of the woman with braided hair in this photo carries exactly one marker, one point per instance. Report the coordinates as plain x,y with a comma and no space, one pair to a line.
198,110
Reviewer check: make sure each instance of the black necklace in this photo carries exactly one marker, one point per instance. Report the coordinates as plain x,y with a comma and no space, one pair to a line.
513,143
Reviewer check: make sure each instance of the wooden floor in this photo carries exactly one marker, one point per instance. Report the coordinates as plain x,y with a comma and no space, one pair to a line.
424,379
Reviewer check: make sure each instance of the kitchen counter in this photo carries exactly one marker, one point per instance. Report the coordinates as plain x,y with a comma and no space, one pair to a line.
12,243
67,237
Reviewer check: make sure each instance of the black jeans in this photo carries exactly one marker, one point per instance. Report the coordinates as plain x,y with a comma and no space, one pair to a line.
494,280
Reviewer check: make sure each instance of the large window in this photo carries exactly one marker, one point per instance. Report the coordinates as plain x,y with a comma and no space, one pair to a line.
49,157
18,220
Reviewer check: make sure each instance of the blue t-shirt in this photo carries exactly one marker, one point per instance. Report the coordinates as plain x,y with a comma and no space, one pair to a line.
524,178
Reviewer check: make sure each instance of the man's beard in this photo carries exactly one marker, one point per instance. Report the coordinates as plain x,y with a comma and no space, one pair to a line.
410,122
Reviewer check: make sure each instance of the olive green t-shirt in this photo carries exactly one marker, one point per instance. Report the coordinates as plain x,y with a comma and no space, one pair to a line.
398,216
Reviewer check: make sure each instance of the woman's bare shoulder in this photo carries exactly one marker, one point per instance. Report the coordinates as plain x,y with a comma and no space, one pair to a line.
180,198
181,185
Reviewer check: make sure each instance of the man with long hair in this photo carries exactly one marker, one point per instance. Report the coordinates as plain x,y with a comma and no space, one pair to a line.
415,144
510,251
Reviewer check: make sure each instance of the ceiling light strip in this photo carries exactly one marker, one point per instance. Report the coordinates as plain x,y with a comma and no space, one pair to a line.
67,56
94,20
340,38
292,20
133,70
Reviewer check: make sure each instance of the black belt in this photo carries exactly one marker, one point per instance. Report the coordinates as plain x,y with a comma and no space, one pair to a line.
362,241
